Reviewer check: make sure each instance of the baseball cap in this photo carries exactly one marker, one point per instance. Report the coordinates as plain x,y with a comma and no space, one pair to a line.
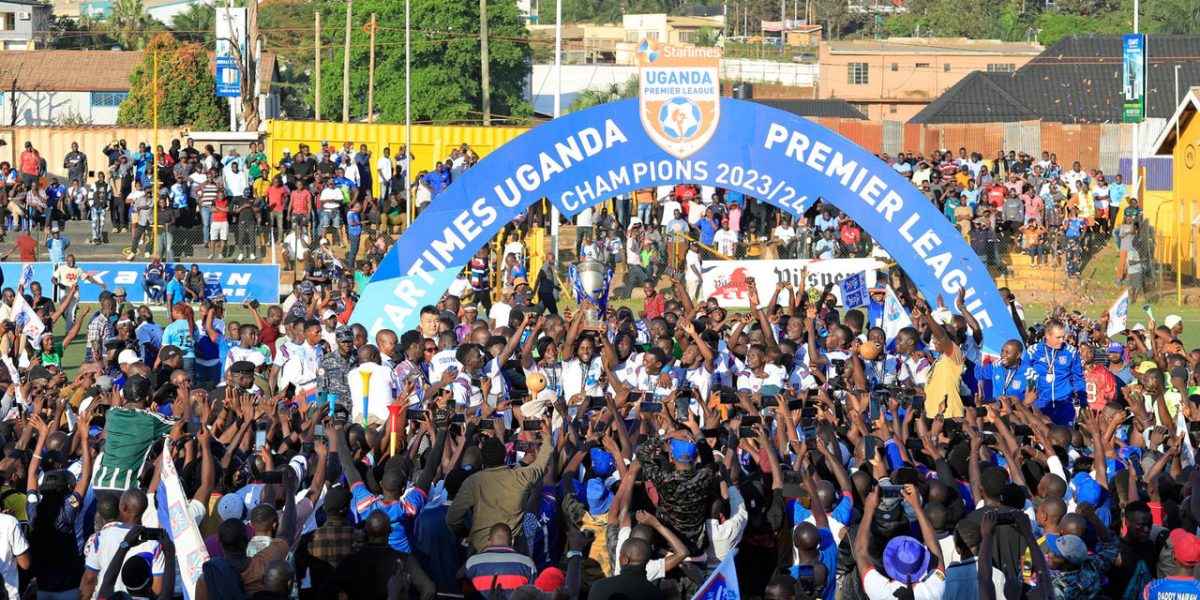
470,308
242,367
1070,547
54,229
519,281
1187,547
287,150
128,357
169,352
1172,320
344,334
905,559
231,506
1146,366
550,580
307,287
1116,347
602,462
119,291
328,314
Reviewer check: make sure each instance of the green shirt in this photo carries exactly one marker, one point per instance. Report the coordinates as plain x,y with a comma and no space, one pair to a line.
129,433
252,165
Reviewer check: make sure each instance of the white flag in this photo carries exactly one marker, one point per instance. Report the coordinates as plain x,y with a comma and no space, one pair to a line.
176,520
895,317
26,274
1118,315
27,321
722,584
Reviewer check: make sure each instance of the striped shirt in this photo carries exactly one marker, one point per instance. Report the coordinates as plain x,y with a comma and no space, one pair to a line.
499,567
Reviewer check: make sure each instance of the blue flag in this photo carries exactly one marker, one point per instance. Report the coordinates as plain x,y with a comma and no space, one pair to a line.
722,584
854,290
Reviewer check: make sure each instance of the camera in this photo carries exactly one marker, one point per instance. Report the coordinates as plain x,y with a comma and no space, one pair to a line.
152,534
890,491
272,477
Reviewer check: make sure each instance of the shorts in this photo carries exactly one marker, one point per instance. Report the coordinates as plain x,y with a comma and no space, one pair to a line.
218,231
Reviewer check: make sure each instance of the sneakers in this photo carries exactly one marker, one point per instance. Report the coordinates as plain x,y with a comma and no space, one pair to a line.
240,256
146,254
253,257
210,255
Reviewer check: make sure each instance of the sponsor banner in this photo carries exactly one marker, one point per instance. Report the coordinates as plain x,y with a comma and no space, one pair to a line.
1133,77
725,280
238,282
677,132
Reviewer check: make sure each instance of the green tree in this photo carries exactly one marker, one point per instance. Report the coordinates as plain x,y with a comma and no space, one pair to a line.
707,37
445,60
611,93
196,24
186,88
83,33
1176,17
130,24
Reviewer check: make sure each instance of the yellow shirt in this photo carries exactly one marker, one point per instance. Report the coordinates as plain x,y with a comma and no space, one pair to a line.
943,383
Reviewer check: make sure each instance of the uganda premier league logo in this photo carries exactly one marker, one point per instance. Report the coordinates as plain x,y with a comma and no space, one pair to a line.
680,95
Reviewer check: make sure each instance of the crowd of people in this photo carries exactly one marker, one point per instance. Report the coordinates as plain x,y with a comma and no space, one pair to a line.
529,456
505,448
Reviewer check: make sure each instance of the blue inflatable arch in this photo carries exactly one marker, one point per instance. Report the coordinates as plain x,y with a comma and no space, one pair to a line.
589,156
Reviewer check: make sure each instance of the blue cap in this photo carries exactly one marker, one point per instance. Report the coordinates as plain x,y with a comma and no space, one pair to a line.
602,462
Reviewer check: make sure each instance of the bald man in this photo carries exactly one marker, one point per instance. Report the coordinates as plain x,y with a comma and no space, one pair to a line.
632,582
365,573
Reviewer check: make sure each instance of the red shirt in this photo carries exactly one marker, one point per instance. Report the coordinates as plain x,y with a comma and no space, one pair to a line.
276,197
654,306
1101,386
223,215
269,335
27,247
31,163
301,202
995,195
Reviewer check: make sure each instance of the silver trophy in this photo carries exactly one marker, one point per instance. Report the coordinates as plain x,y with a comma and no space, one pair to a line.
591,281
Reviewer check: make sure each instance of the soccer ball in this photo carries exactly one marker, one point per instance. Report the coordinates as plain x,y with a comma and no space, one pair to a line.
680,118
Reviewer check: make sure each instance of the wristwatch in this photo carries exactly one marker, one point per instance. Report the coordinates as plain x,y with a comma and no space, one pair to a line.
574,554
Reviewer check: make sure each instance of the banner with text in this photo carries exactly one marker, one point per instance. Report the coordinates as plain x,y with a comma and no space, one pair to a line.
237,282
676,134
725,280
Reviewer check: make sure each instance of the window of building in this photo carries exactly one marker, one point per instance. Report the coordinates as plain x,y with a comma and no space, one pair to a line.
863,108
8,21
652,35
687,36
922,65
946,67
857,73
1001,67
895,67
892,109
108,99
631,36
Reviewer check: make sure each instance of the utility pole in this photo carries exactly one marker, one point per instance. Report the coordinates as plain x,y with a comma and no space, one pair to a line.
346,66
371,76
782,23
485,73
317,59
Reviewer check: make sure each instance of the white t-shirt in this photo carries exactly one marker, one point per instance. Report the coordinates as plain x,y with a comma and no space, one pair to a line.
331,198
693,266
877,586
251,355
498,314
383,167
443,360
67,276
380,395
12,545
726,242
584,218
772,375
580,378
98,553
655,569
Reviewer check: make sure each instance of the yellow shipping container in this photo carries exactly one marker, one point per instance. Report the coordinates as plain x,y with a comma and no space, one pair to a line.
429,142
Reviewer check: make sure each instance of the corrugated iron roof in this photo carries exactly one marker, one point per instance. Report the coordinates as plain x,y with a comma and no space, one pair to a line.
943,46
88,70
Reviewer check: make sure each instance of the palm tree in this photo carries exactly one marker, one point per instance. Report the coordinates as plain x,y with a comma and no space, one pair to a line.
129,23
611,93
1177,17
196,24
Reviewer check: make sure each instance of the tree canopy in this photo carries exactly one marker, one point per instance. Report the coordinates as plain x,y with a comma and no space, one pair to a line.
445,60
186,88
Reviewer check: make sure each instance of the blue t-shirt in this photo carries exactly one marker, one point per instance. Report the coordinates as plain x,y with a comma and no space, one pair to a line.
999,380
353,223
1075,228
179,334
829,556
707,231
400,512
1175,588
174,291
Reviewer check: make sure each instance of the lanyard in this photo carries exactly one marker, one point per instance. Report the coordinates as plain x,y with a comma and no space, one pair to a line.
1009,375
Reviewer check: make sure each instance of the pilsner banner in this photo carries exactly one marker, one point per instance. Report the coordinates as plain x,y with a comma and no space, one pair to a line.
725,280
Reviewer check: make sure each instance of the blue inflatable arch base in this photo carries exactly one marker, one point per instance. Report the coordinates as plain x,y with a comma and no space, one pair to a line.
589,156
